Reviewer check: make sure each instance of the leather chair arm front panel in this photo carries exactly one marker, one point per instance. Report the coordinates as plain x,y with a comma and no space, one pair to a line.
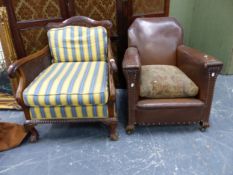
131,68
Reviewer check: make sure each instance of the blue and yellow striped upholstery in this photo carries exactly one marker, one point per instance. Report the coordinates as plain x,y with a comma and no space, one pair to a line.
69,84
69,112
78,44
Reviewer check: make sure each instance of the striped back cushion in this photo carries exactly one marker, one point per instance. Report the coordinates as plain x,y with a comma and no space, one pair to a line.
78,44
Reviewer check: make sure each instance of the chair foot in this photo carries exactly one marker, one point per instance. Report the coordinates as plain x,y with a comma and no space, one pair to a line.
114,137
113,132
130,129
34,135
204,126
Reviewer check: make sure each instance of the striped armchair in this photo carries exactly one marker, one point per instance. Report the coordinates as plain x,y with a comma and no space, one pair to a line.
71,80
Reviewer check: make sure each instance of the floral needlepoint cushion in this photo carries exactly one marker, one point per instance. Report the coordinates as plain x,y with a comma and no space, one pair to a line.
166,81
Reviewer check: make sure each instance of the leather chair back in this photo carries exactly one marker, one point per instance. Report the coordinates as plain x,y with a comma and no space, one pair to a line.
156,39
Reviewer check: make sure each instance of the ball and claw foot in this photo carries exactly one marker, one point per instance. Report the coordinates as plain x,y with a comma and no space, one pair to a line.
114,137
113,132
130,129
204,126
34,137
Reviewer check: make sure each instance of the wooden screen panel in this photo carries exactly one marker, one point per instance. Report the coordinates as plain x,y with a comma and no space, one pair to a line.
145,7
34,39
1,3
36,9
26,15
98,10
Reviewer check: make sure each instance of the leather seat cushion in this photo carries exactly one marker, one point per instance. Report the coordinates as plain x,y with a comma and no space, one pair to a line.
69,84
166,81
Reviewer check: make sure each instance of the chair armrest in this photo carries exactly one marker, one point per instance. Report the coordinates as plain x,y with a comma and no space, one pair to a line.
43,55
111,58
132,69
131,59
113,65
112,70
201,68
112,88
27,69
192,56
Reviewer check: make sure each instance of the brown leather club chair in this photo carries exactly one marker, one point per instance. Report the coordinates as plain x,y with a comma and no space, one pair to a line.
159,41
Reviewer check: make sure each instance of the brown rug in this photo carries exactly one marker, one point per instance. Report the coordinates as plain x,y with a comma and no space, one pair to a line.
11,135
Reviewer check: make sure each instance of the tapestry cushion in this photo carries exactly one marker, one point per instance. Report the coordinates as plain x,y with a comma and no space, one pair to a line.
69,84
78,44
165,81
69,112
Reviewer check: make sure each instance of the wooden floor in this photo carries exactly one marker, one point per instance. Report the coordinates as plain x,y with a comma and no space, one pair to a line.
8,102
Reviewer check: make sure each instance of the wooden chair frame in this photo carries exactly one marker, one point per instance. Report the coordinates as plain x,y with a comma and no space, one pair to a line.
28,68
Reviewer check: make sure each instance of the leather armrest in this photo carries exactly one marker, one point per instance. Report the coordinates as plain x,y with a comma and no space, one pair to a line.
131,59
27,69
201,68
191,56
132,69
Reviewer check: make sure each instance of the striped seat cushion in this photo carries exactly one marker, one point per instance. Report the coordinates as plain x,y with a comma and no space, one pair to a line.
78,44
69,112
69,84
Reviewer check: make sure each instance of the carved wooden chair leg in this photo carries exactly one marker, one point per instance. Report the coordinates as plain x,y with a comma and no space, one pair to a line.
130,128
34,135
113,132
204,125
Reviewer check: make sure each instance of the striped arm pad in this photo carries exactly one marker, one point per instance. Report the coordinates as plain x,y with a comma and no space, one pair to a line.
78,44
69,84
69,112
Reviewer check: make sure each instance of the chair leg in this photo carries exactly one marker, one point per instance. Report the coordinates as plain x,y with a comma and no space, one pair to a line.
34,135
204,125
113,132
130,129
